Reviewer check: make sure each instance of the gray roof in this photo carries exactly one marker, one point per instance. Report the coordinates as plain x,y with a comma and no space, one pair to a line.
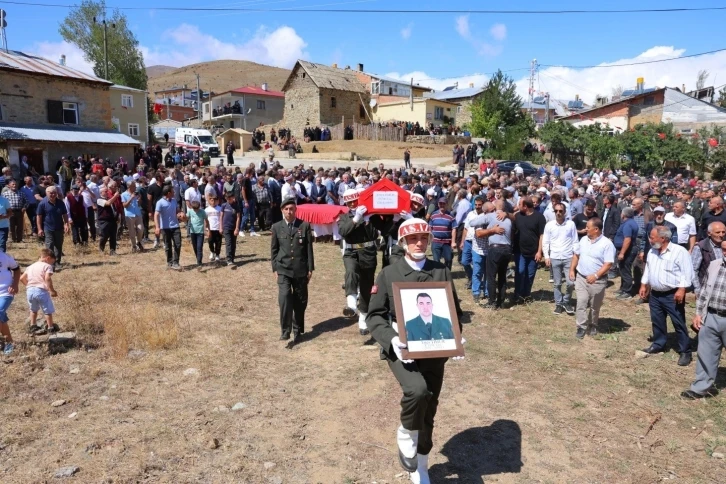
455,93
125,88
525,105
63,134
396,81
330,77
21,61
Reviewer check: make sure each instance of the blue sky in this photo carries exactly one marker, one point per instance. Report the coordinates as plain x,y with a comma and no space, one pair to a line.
436,49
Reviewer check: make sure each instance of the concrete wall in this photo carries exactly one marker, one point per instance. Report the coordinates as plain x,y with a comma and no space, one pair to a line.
52,152
423,112
24,99
135,114
439,139
302,103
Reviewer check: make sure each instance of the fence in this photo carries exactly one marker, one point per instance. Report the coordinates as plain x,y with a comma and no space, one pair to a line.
368,132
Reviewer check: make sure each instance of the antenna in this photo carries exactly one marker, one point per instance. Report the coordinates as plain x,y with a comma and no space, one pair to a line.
532,75
3,24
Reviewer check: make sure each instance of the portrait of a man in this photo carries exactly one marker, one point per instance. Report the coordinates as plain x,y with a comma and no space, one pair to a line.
428,326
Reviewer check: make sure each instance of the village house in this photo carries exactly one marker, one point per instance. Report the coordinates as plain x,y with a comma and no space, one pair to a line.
387,89
129,112
244,107
48,110
652,105
316,94
542,110
463,98
424,111
180,96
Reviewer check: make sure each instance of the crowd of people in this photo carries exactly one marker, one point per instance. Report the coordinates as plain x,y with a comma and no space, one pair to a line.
662,235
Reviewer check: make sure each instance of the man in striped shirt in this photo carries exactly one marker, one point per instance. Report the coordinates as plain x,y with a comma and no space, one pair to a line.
443,228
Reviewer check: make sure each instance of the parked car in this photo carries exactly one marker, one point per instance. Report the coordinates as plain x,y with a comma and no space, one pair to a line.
528,168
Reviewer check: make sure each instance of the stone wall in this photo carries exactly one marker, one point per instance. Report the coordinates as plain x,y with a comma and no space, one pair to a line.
439,140
347,105
52,152
24,99
464,116
302,103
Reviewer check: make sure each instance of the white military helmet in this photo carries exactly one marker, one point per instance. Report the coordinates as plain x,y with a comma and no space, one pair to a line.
413,226
350,195
415,197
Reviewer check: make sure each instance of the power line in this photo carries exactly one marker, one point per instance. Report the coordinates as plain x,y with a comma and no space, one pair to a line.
601,66
400,11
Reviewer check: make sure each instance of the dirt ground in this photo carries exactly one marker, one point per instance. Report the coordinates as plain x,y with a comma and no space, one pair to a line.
377,150
150,399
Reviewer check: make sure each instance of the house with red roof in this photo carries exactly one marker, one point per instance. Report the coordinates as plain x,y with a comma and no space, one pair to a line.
245,107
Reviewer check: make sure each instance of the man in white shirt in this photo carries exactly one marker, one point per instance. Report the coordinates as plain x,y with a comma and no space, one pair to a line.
290,190
558,244
343,186
668,272
549,213
474,272
685,224
90,195
592,259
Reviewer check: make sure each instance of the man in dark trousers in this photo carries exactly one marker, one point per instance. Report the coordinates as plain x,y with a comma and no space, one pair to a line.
293,265
420,380
359,257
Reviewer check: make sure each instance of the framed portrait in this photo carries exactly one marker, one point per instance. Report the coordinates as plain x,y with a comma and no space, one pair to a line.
426,320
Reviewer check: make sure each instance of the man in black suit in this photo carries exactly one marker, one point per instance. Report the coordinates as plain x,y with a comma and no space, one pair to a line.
318,192
610,216
293,265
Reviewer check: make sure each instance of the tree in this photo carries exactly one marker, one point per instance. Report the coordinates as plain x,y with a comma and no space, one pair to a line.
617,91
125,60
603,149
701,79
497,115
722,97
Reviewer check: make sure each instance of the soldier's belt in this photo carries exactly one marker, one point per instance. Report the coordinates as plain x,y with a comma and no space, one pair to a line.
362,245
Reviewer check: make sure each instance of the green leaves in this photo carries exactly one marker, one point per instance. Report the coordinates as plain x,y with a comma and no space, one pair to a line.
497,116
125,60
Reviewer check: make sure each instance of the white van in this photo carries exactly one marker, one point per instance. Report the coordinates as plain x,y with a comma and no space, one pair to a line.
196,139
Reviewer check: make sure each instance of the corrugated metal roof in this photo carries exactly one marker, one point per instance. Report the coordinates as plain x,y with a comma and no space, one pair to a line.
14,59
258,91
455,93
33,132
330,77
525,105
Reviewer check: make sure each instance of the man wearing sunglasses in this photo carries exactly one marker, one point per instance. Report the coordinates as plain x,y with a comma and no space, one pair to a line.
558,241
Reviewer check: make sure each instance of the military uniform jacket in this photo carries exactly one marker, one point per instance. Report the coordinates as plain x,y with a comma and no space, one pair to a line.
382,305
694,208
292,253
359,233
418,330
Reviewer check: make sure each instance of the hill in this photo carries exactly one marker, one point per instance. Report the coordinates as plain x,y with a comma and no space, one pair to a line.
156,71
220,76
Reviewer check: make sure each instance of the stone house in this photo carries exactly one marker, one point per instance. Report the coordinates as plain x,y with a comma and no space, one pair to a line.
387,89
48,110
129,112
464,98
316,94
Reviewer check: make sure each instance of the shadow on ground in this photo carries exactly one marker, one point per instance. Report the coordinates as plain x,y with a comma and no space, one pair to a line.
479,452
612,325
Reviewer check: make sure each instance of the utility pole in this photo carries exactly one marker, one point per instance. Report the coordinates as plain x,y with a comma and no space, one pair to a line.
411,94
199,100
105,46
532,74
547,108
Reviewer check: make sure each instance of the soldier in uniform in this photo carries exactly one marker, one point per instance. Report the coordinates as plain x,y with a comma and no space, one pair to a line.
360,257
293,265
668,199
395,252
420,380
694,207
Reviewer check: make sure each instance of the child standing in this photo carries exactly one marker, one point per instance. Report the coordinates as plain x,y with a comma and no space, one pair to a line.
230,226
9,277
197,216
38,279
214,230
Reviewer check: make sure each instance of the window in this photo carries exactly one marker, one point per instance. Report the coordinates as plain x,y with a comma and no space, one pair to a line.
458,109
375,87
133,129
260,104
70,113
438,112
362,111
127,101
649,101
333,102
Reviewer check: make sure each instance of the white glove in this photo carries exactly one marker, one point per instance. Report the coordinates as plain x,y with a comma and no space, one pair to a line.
459,358
359,212
397,346
396,218
405,215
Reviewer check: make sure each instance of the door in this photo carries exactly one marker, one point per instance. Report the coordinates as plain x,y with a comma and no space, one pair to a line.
35,158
